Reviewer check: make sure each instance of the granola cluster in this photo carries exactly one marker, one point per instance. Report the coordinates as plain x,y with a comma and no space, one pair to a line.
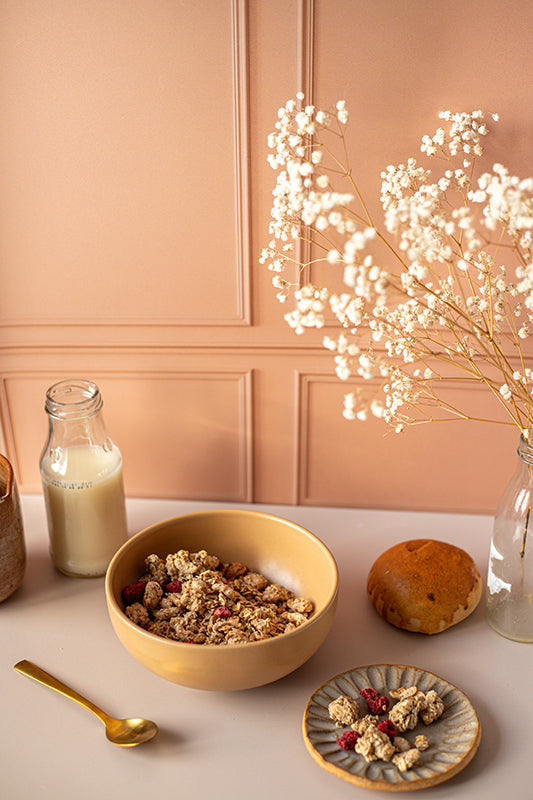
379,739
195,598
412,703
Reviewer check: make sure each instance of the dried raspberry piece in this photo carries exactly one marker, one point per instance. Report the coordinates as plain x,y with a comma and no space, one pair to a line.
387,727
369,693
173,586
222,612
133,593
376,704
348,739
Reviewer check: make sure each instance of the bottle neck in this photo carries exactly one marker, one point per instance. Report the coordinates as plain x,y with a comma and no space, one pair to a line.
73,400
74,415
525,449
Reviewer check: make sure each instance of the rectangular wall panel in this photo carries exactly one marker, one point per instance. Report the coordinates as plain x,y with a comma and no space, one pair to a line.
184,435
456,466
124,162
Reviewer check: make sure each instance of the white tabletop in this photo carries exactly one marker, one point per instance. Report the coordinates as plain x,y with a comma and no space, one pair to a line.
247,744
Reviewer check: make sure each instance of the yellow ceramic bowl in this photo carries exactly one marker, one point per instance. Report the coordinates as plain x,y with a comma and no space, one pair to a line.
282,551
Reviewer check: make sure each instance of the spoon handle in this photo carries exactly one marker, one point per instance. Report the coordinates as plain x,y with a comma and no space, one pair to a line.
39,675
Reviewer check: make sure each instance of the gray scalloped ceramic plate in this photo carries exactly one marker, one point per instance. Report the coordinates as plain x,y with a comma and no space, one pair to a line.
453,738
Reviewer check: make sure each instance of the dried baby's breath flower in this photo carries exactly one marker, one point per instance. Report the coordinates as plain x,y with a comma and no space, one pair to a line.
443,289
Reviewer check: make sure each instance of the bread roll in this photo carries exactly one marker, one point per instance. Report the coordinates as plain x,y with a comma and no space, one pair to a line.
424,585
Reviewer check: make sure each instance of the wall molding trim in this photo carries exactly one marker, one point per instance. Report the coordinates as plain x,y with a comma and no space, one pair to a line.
305,76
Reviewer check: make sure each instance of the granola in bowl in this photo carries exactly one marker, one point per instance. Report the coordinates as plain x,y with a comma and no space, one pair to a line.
198,599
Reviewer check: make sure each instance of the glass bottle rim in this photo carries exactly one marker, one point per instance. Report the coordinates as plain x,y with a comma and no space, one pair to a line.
73,399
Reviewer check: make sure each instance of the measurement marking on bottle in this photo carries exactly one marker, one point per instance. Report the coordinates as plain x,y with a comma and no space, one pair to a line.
76,485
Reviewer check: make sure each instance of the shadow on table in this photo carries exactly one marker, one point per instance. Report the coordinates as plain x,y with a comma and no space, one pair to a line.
43,583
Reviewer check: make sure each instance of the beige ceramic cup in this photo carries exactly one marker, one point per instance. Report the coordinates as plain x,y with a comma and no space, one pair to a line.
12,547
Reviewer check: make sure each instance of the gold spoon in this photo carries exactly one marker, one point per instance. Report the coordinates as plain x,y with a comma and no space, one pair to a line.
126,732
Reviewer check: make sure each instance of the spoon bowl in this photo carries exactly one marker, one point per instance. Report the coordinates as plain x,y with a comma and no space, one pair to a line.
124,732
129,732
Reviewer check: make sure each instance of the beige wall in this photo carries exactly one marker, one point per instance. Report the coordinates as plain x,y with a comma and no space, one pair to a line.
134,203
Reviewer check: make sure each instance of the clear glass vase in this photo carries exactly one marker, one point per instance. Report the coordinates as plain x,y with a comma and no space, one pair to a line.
510,574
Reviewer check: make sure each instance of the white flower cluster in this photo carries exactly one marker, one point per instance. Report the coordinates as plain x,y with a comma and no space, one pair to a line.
463,136
444,288
303,197
310,305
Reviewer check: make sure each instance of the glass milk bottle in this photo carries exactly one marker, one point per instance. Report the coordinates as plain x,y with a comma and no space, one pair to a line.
81,472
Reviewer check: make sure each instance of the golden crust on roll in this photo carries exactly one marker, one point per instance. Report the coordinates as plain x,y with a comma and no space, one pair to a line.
424,585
